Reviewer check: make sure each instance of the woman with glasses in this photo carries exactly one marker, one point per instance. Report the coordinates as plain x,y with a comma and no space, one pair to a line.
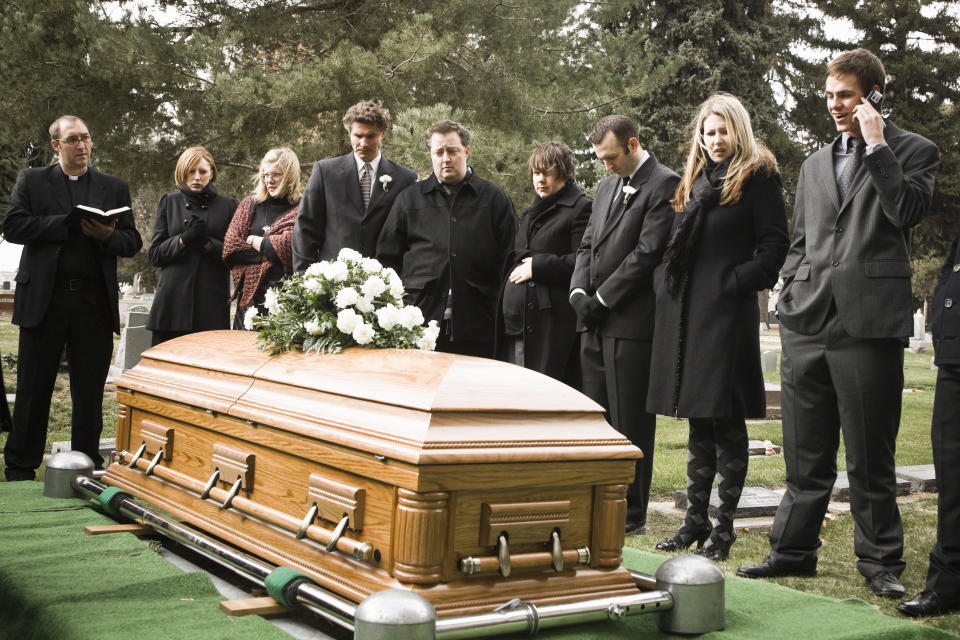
257,247
194,287
729,241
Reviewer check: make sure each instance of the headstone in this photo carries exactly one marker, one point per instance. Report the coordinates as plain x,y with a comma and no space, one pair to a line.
755,502
919,342
841,488
107,447
6,285
137,282
772,392
921,477
768,361
135,338
763,299
763,448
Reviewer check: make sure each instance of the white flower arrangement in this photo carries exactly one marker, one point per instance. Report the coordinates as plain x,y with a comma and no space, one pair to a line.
341,303
628,192
385,181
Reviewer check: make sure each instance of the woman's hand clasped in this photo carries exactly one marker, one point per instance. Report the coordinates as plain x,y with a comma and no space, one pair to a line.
254,241
523,271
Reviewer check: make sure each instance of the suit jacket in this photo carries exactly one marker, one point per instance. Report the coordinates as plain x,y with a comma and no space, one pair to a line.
193,292
331,211
856,253
945,312
39,206
622,246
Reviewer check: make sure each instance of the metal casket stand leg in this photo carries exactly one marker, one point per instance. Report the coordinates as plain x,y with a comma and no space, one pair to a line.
687,591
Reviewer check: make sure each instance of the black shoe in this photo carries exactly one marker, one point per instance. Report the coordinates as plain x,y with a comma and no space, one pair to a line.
716,550
928,603
772,569
18,475
683,540
885,584
634,528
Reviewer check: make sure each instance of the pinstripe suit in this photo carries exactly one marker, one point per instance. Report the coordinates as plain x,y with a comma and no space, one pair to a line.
844,312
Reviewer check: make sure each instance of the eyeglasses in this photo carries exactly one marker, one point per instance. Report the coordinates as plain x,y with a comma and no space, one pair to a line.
73,140
267,177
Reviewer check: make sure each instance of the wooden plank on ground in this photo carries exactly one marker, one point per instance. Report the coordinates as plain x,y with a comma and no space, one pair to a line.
253,606
135,529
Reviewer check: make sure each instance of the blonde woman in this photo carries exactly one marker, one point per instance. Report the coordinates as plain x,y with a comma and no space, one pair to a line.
257,247
729,241
194,286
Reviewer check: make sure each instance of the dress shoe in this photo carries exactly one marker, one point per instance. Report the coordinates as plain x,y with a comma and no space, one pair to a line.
886,584
928,603
717,550
634,528
683,540
770,568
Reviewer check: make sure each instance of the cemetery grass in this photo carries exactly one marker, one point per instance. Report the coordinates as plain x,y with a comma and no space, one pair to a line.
837,572
58,428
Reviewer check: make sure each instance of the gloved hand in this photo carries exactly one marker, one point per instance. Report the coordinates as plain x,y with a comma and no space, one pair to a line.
589,310
196,231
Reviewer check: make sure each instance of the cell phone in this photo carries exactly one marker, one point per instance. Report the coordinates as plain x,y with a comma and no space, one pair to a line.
875,98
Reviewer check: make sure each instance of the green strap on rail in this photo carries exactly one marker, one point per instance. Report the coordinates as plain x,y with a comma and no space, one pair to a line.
282,582
108,496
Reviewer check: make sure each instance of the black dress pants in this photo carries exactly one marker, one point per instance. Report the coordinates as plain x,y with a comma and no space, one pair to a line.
83,322
944,573
615,375
833,383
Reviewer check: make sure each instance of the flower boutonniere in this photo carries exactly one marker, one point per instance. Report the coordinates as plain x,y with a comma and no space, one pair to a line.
385,182
628,192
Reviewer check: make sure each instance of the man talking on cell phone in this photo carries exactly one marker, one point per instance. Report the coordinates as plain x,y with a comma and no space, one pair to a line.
845,316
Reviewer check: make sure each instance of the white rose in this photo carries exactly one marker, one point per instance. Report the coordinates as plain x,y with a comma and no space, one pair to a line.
424,343
410,317
432,330
313,284
312,327
371,265
363,333
374,286
316,269
347,320
346,297
336,271
387,317
249,317
364,304
349,254
271,302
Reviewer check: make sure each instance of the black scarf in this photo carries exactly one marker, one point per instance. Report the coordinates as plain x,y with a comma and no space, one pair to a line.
201,198
542,204
679,255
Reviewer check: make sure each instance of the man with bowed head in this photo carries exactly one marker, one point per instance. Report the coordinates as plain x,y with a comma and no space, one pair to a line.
448,237
67,294
612,290
844,320
348,198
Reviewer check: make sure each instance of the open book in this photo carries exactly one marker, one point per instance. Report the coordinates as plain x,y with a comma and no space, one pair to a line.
92,213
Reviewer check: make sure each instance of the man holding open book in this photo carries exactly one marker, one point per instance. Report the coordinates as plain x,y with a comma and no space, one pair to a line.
67,294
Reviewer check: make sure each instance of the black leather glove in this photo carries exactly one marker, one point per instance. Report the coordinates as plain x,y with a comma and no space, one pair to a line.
589,310
196,231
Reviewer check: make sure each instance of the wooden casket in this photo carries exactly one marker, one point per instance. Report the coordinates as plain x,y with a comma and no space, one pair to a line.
467,480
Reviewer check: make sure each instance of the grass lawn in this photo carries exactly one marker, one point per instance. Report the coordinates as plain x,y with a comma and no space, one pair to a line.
838,577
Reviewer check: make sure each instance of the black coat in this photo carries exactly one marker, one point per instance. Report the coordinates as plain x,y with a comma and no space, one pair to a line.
438,242
945,313
552,237
706,346
39,206
193,291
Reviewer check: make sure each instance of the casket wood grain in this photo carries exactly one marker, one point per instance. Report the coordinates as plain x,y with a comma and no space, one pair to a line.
419,470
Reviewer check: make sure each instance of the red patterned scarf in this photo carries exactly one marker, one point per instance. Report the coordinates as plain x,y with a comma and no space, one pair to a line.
247,277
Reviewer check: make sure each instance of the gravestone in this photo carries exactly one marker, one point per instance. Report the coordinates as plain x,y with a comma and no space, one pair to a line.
772,392
755,502
135,338
841,488
918,341
763,448
107,447
921,477
768,361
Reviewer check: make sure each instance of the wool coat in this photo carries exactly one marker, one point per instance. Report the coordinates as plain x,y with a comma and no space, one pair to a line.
193,291
551,238
706,344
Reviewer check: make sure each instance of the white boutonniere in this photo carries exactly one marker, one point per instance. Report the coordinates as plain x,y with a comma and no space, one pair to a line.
385,182
628,192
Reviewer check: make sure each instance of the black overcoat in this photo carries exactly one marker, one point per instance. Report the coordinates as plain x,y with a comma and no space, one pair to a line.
193,292
706,346
551,237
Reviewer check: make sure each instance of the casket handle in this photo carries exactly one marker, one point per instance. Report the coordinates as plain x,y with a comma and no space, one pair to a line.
233,493
337,533
211,483
503,555
154,462
556,551
307,521
137,456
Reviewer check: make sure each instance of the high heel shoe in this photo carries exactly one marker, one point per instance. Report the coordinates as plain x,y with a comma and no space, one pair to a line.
683,540
716,549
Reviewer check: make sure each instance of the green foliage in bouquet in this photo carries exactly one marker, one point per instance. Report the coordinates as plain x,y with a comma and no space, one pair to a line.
340,303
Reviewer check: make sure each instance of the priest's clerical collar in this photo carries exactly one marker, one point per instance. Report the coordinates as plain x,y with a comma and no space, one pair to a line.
74,178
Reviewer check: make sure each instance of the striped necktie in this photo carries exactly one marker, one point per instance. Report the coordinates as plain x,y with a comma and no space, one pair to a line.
366,180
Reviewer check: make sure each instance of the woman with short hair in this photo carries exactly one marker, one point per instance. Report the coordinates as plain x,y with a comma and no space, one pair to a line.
729,241
536,324
257,247
193,290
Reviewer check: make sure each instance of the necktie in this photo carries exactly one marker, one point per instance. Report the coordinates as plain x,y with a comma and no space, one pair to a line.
845,181
366,180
